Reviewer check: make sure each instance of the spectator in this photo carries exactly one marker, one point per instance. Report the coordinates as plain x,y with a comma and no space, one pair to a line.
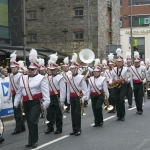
4,73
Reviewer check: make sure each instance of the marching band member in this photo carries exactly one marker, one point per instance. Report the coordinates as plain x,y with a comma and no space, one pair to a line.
66,72
14,78
41,63
108,75
148,78
32,88
77,87
129,88
138,77
96,89
120,75
57,89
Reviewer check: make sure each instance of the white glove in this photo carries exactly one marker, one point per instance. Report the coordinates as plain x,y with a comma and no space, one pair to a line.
144,81
84,98
68,101
110,81
45,105
128,80
16,104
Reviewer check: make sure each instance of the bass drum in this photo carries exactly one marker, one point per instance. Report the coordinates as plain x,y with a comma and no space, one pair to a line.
1,127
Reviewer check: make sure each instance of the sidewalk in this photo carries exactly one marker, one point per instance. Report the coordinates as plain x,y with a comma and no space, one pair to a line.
8,118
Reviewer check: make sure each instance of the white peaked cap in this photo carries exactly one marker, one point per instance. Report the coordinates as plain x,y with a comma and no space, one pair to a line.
13,60
33,58
21,65
104,62
119,54
97,62
41,63
66,61
147,61
128,56
111,58
52,61
136,57
73,61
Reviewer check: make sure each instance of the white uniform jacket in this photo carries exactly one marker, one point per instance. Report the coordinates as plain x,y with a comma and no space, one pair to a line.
138,74
80,84
15,79
108,75
59,83
36,84
100,84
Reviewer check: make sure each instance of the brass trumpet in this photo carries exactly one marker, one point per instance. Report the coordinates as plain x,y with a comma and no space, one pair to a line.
107,106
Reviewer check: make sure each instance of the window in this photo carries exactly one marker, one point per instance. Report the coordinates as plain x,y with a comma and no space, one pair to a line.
120,2
140,21
78,36
32,38
32,15
120,22
78,12
139,2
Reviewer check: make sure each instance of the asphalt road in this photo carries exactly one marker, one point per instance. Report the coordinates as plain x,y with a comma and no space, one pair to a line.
131,134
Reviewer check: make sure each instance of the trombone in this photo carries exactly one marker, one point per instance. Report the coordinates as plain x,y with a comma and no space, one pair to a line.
82,106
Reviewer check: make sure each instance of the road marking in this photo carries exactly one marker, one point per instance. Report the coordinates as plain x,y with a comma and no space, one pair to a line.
51,142
131,108
105,119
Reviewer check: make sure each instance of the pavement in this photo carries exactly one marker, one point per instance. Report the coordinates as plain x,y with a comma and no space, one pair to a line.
131,134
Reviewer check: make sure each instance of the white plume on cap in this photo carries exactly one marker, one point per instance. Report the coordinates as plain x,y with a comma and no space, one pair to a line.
41,61
74,58
97,62
104,62
53,58
111,57
119,52
66,60
128,55
33,56
13,57
21,63
136,55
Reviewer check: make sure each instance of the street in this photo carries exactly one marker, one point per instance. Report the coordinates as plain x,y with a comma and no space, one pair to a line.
131,134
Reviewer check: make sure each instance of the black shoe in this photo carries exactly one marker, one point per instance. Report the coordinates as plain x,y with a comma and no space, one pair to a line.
57,132
95,125
78,133
118,119
23,130
122,119
101,124
73,132
130,106
15,132
2,140
140,112
28,145
34,145
49,131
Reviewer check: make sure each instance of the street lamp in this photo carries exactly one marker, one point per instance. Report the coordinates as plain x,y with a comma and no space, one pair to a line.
24,31
131,39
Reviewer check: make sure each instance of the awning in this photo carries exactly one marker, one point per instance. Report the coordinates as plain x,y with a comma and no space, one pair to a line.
42,52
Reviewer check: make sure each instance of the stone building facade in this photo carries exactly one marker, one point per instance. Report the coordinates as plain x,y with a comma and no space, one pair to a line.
72,25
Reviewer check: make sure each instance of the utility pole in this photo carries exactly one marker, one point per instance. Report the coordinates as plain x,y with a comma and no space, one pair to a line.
24,31
89,24
131,39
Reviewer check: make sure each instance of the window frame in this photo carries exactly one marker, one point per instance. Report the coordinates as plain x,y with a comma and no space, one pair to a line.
32,38
78,33
78,9
140,3
31,13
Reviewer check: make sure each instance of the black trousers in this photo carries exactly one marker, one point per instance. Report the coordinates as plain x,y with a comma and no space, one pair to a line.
20,125
66,103
54,114
112,99
120,94
129,94
75,113
32,110
97,102
138,94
